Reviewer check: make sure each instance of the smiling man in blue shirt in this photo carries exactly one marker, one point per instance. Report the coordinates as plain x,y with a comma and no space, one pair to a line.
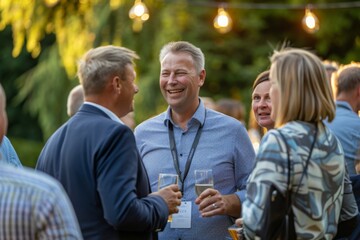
189,136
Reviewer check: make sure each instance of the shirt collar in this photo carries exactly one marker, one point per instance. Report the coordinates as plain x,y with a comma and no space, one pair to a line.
199,115
106,111
344,104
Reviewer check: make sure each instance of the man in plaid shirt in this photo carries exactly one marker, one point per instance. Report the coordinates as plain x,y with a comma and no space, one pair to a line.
32,204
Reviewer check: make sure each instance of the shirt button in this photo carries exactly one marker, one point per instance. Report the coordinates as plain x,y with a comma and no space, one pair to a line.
180,154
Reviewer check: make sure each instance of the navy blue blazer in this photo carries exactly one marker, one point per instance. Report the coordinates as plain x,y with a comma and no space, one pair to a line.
97,162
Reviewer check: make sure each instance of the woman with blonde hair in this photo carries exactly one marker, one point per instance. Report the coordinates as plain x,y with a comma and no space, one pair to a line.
301,99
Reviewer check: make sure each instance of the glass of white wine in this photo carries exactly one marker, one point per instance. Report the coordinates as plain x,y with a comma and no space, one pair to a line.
203,179
166,179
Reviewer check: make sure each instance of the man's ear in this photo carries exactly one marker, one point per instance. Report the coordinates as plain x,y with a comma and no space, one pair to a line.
116,84
202,76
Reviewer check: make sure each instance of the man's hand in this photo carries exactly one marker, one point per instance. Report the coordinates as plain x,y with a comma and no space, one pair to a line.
212,203
172,196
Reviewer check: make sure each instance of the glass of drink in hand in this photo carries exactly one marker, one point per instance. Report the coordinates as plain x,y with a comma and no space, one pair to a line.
166,179
203,180
236,232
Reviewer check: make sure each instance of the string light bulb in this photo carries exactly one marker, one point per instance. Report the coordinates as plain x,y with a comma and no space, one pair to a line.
222,21
310,22
139,13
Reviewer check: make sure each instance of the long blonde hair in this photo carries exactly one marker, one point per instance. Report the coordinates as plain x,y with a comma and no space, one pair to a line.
304,91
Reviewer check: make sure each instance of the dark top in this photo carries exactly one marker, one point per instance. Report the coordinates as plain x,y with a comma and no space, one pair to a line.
96,160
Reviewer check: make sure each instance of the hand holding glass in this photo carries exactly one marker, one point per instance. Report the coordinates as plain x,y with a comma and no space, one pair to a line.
203,180
236,232
166,179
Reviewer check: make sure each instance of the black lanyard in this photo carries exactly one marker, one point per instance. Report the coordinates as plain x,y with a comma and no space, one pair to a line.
175,154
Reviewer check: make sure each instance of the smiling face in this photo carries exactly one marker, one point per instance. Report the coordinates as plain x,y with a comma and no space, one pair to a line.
180,83
261,105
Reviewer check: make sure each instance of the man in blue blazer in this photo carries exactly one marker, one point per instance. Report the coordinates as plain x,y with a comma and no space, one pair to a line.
95,157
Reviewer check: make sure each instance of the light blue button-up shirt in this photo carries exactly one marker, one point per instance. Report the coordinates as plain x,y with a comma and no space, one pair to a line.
346,127
8,153
224,147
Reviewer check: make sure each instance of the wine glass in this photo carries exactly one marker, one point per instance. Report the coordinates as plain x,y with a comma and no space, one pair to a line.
203,179
166,179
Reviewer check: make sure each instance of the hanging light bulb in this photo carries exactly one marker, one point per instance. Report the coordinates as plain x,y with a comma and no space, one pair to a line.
139,14
51,3
139,11
310,22
222,21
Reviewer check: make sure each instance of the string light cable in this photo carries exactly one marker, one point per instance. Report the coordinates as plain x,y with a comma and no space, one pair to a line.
310,22
333,5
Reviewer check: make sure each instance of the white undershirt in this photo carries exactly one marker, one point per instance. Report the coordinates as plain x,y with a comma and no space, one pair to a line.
106,111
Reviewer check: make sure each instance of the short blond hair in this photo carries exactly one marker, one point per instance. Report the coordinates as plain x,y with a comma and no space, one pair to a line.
100,63
304,91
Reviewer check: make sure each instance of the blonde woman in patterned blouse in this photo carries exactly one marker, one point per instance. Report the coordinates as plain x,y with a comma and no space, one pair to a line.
301,99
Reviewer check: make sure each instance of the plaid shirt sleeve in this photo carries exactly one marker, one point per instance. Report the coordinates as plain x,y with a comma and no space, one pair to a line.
34,206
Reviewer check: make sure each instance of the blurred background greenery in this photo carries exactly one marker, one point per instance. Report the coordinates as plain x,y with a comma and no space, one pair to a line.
42,40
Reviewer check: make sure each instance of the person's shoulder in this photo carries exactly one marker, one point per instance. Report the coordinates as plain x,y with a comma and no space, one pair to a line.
286,132
215,117
90,114
343,105
5,141
300,133
343,108
154,121
62,128
29,178
271,136
296,127
113,131
5,144
271,148
94,119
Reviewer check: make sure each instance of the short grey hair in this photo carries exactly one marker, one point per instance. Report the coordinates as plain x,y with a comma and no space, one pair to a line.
100,63
348,78
182,46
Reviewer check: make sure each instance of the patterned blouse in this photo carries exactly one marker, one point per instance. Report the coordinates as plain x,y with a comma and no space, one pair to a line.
317,204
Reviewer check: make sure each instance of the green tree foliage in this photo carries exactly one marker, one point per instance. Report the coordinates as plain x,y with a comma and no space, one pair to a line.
23,129
232,60
43,90
72,22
